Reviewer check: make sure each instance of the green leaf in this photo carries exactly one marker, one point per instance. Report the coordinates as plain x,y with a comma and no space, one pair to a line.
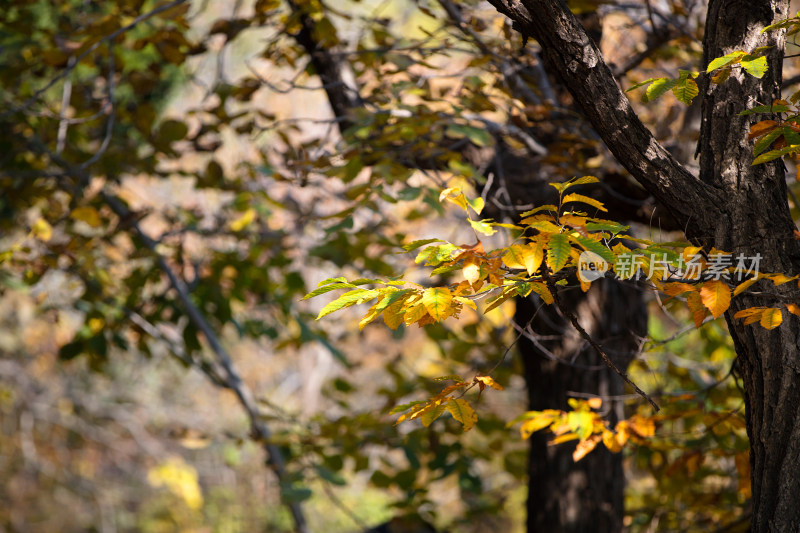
353,297
558,252
641,84
417,244
766,141
435,255
779,108
657,88
328,288
775,154
330,476
596,247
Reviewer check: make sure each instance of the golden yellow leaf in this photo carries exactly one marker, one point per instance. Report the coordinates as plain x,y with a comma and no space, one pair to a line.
42,230
745,285
585,446
716,296
771,318
488,381
611,441
794,309
642,426
539,420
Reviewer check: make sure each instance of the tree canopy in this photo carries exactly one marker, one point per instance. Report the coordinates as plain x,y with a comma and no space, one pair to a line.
573,225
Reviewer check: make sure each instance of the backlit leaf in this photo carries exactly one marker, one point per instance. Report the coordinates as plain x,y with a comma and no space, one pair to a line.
558,252
574,197
716,296
462,412
437,301
353,297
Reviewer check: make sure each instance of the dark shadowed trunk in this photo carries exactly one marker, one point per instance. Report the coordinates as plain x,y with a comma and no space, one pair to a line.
564,495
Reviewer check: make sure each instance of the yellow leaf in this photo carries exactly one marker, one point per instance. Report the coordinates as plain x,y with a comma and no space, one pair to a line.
88,215
42,230
611,441
415,313
180,479
794,309
716,296
438,301
779,279
542,290
471,270
585,446
574,197
466,301
750,311
243,221
539,420
771,318
745,285
489,382
462,412
595,403
642,426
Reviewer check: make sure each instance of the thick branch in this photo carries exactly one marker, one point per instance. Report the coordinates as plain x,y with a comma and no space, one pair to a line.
571,52
333,70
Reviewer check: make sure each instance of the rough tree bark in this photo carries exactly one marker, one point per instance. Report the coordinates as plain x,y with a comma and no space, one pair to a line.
731,205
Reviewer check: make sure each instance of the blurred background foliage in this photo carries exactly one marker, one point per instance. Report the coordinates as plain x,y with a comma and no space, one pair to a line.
141,140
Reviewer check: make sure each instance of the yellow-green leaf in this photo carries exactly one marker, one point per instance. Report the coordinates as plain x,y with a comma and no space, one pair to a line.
686,90
429,415
756,67
462,412
438,301
353,297
716,296
558,252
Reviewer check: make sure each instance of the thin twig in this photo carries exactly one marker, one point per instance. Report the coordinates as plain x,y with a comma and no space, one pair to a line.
597,348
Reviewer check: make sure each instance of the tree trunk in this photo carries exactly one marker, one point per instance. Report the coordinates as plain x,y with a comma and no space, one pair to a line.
756,220
564,495
733,206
